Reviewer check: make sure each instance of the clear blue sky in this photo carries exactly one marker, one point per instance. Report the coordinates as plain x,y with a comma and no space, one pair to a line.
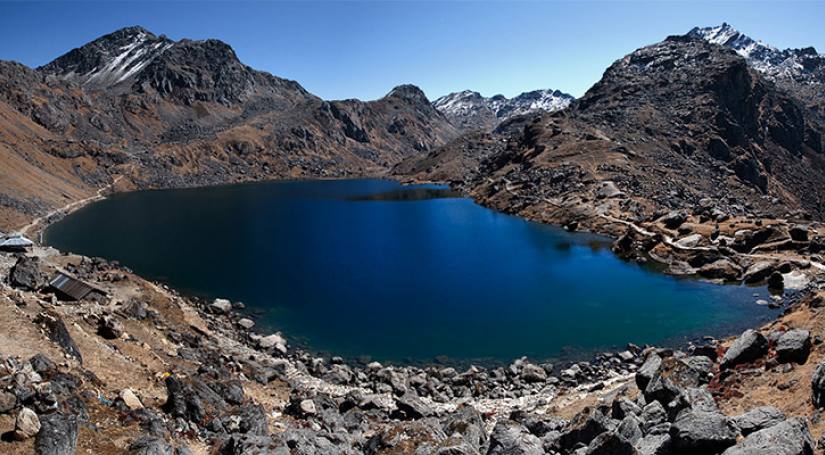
363,49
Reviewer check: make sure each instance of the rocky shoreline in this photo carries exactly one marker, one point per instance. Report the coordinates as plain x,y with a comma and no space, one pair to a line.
327,405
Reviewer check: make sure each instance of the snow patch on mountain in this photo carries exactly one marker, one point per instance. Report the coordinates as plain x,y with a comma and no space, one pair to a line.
802,65
469,109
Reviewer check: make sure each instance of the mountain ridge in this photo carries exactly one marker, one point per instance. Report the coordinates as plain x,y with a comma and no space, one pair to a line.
469,110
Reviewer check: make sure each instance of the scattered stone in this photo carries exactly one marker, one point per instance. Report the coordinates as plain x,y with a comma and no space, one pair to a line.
246,323
758,419
750,346
790,437
793,346
110,328
307,407
58,435
130,399
695,432
26,425
511,438
220,306
533,373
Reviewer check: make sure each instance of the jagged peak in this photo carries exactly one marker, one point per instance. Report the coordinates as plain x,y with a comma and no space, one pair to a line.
408,92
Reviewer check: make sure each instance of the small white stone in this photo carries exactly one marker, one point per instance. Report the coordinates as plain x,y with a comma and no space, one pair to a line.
130,399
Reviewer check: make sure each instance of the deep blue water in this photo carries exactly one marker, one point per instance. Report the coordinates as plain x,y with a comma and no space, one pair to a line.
372,268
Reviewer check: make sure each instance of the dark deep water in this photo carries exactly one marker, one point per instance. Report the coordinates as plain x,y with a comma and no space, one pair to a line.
372,268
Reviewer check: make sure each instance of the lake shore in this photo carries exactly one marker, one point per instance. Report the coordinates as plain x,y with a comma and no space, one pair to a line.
180,338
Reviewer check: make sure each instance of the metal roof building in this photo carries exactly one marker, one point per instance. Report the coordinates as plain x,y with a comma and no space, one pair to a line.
70,288
15,242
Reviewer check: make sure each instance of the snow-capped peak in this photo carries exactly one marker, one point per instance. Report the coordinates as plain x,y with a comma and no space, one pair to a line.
803,65
469,109
111,59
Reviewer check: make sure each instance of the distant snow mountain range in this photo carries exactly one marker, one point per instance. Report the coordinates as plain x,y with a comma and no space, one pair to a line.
470,110
800,65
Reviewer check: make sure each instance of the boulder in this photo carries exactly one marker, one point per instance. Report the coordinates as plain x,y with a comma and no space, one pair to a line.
677,374
420,436
110,328
690,241
750,346
220,306
58,435
26,425
150,445
653,414
654,444
799,233
630,428
246,323
410,407
43,365
776,281
608,189
648,369
533,373
695,432
275,341
511,438
623,407
721,269
611,443
818,386
8,401
584,427
793,346
758,419
467,422
26,274
130,399
673,219
790,437
759,271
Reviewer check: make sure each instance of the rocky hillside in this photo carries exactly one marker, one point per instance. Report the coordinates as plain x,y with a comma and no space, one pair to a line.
470,111
669,125
175,113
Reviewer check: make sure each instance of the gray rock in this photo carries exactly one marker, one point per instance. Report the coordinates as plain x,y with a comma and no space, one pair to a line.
818,386
246,323
654,444
57,332
26,425
150,445
653,414
611,443
411,407
220,306
750,346
511,438
26,274
648,369
623,407
793,346
674,219
758,419
110,328
467,422
584,427
8,401
790,437
630,428
533,373
58,435
759,271
695,432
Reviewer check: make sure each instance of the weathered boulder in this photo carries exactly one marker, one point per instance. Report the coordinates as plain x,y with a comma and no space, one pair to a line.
584,427
150,445
8,401
130,399
790,437
673,219
677,374
611,443
110,328
654,444
26,425
630,428
511,438
648,369
26,274
776,281
818,386
58,435
43,365
420,436
793,346
467,422
799,232
275,341
220,306
721,269
623,407
758,419
533,373
57,332
410,407
759,271
750,346
695,432
653,414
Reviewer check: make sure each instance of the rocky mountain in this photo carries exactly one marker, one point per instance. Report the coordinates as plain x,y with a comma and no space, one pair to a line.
470,110
174,113
668,126
800,65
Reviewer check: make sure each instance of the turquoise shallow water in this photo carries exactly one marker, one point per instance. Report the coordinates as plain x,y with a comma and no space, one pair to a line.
372,268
